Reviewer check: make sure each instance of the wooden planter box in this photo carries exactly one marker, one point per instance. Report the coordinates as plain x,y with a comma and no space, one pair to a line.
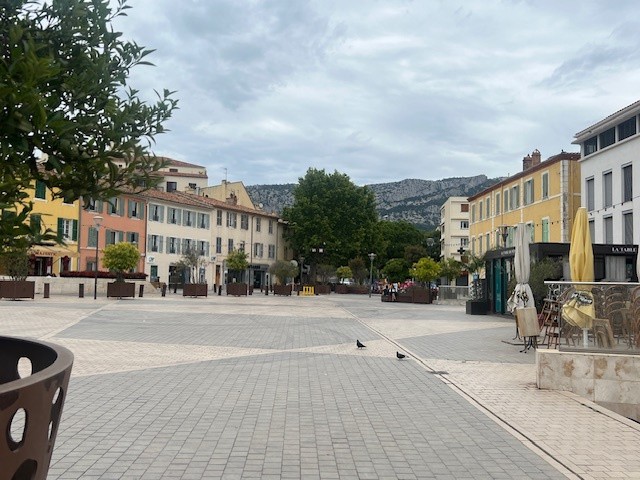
237,289
282,290
194,290
17,289
420,295
121,289
340,288
322,289
358,289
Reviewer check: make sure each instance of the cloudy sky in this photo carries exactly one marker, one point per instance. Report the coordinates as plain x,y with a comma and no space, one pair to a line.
382,90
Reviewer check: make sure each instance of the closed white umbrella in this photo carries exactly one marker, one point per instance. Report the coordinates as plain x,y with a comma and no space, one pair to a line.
522,295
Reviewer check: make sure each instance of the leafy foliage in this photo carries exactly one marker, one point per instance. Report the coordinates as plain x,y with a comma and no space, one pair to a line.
425,270
191,261
120,257
283,269
237,260
395,237
396,270
325,272
344,272
15,263
330,210
359,270
450,268
64,94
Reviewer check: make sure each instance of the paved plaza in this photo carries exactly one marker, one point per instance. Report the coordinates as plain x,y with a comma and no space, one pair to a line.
274,387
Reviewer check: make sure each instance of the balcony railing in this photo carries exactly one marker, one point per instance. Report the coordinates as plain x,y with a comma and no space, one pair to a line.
594,317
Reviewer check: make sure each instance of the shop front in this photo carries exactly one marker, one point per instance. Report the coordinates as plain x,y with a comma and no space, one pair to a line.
612,263
50,260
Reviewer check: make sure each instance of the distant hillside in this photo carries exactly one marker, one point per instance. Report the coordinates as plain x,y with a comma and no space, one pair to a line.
413,200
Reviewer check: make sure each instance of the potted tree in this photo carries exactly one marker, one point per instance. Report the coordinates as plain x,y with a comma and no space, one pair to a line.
478,304
359,272
237,264
283,270
191,261
343,273
325,272
425,270
120,258
15,264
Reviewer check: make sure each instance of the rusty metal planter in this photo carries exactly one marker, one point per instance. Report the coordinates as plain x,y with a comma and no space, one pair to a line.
30,407
121,289
237,289
17,289
194,290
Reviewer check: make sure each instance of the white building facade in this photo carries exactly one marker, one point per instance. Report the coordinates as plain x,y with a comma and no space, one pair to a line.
610,154
454,227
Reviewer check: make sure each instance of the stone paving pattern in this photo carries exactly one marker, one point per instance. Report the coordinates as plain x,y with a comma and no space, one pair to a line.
274,387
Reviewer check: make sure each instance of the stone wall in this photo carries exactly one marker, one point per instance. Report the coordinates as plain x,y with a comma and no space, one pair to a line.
610,380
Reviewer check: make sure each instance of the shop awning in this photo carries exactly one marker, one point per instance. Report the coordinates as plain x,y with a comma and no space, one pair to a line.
51,251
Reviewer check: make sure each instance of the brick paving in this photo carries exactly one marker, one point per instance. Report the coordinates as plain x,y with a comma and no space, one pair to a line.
274,387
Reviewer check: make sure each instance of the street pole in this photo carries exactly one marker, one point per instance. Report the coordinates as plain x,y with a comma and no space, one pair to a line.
371,257
97,221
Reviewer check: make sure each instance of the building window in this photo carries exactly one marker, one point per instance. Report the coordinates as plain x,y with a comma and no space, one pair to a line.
35,221
41,190
188,218
113,236
258,219
203,248
203,220
219,218
188,245
480,244
608,230
592,230
271,227
515,197
480,210
532,231
173,245
590,189
607,189
93,205
488,239
473,213
464,242
590,146
488,206
244,221
218,244
464,225
497,204
172,186
272,251
528,192
230,245
627,220
156,213
133,237
627,183
627,129
545,185
116,206
67,229
506,200
608,137
136,209
258,250
175,215
155,243
464,207
232,220
545,229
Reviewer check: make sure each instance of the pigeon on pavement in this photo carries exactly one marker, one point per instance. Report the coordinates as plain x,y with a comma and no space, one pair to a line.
400,355
360,345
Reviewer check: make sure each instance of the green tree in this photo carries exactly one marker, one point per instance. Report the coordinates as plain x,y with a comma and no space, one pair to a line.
15,263
120,258
191,261
359,270
64,94
396,270
395,237
325,272
425,270
450,268
283,269
413,253
330,210
432,243
344,272
237,262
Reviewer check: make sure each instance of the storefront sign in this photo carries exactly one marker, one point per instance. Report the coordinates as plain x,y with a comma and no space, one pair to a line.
624,249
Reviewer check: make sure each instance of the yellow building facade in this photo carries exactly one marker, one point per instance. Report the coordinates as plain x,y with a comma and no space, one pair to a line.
62,219
545,196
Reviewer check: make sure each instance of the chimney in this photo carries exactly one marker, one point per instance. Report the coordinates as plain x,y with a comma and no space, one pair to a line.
526,163
535,157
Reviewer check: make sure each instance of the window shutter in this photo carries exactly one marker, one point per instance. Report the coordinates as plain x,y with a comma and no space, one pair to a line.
121,207
149,242
120,237
74,231
98,205
130,205
141,210
161,213
160,241
60,229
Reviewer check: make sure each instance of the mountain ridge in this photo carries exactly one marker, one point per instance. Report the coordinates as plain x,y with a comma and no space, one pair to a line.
413,200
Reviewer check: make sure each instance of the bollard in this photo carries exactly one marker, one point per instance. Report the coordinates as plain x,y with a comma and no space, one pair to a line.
164,289
81,290
46,290
175,288
220,290
140,291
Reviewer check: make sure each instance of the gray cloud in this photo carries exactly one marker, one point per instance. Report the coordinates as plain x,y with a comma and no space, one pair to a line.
384,90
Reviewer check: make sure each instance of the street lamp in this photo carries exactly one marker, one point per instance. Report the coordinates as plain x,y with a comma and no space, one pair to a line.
301,267
97,221
371,257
